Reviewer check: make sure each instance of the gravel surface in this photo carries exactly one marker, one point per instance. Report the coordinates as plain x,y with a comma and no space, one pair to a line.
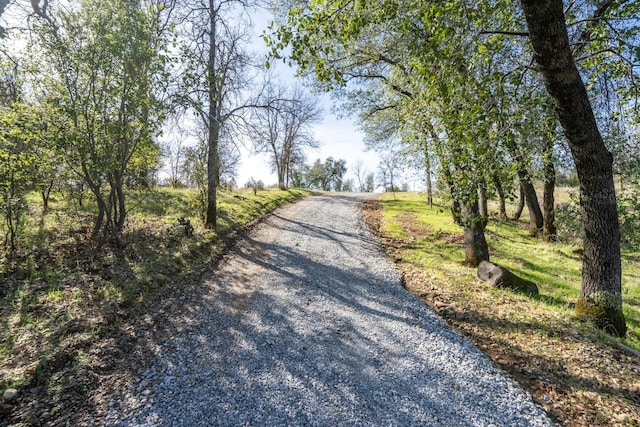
306,323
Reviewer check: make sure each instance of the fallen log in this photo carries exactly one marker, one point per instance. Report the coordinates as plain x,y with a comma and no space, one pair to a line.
500,277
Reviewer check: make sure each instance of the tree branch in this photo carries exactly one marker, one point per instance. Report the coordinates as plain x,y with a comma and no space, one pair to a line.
506,33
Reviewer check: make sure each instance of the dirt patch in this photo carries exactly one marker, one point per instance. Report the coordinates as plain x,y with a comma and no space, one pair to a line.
371,212
410,223
579,379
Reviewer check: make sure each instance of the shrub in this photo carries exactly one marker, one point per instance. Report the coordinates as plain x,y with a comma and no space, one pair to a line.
569,221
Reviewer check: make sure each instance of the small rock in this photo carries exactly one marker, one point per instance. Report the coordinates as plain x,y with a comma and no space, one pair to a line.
460,316
161,278
623,418
440,304
9,394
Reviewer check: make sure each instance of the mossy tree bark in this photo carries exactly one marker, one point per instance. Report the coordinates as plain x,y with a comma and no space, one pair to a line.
600,294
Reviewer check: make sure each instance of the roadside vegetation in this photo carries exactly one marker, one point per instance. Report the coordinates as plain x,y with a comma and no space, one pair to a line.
60,295
580,375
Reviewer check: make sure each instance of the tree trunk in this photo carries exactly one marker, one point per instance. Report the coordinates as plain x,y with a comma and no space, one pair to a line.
455,204
213,167
427,167
475,244
502,214
548,204
213,157
520,208
281,179
120,203
482,202
500,277
46,195
536,220
96,234
456,211
600,294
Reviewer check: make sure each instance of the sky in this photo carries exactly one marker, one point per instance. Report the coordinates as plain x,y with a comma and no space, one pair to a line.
339,138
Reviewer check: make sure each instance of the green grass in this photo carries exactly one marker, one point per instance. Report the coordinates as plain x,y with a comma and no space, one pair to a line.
554,267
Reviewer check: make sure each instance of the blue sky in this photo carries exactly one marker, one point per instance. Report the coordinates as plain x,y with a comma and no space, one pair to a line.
339,138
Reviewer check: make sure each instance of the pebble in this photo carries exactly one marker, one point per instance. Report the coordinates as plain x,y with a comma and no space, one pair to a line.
9,394
623,418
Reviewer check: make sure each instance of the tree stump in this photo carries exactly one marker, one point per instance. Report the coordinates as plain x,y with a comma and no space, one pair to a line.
500,277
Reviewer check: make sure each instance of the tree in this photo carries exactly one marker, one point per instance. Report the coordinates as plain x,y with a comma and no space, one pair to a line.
360,172
369,183
389,167
19,127
215,75
102,72
323,176
283,128
348,185
600,293
173,151
336,169
420,73
446,71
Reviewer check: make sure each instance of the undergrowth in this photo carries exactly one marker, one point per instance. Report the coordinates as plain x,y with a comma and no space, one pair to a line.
57,293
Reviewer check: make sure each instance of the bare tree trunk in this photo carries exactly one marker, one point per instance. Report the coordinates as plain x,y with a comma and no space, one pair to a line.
548,203
213,157
281,174
502,214
482,202
600,294
120,203
427,166
46,195
521,203
536,220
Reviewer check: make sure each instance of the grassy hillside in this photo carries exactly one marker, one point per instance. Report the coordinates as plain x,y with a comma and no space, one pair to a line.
58,295
576,372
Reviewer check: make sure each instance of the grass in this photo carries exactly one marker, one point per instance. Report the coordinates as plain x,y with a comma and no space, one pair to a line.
58,296
576,372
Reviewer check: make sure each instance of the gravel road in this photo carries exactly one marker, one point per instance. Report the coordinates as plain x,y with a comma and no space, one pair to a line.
305,323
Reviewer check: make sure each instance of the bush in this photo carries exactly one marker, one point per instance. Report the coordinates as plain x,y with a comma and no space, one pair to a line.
569,221
629,216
